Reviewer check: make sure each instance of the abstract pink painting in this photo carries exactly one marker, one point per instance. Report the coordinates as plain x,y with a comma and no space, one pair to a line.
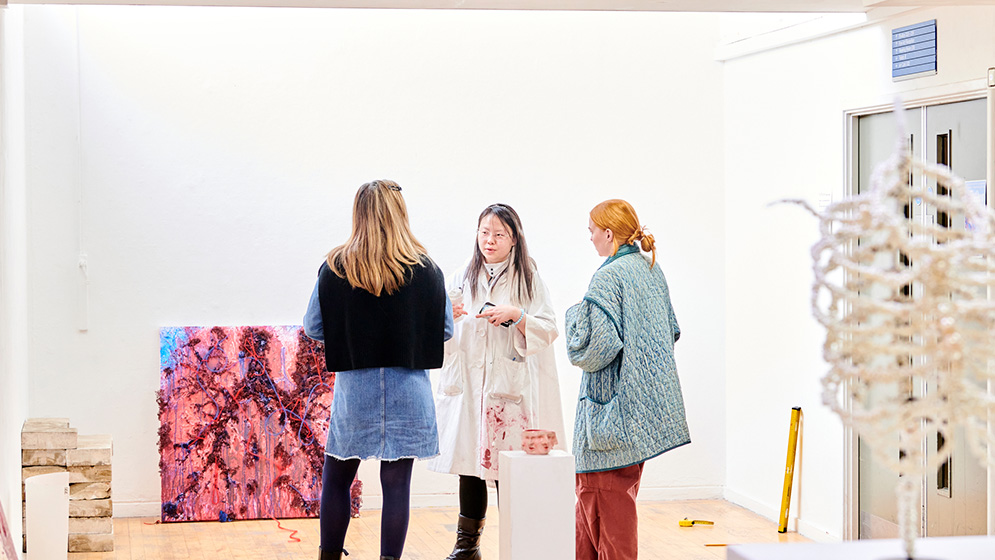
7,549
243,414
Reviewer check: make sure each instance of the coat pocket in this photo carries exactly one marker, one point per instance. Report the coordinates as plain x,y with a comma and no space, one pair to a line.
451,376
604,424
509,379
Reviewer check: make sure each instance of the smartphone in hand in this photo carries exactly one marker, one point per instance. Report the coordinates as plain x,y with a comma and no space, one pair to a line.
487,305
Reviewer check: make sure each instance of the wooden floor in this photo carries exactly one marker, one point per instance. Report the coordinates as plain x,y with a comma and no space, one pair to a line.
431,535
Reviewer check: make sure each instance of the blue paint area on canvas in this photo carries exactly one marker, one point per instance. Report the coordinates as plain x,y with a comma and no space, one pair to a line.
171,338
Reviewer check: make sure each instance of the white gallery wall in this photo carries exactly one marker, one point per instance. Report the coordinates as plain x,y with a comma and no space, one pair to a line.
203,160
13,273
784,138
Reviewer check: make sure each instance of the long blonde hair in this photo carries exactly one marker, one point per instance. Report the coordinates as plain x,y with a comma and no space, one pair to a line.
381,249
620,217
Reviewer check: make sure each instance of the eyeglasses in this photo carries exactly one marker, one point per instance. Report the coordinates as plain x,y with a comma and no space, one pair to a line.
497,237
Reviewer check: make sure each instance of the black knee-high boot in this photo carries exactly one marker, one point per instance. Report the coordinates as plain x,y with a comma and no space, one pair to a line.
329,555
467,539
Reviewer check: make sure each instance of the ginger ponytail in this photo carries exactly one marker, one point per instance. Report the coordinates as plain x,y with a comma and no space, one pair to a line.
646,241
620,217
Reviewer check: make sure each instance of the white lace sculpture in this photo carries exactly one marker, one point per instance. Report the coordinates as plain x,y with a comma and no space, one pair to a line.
905,304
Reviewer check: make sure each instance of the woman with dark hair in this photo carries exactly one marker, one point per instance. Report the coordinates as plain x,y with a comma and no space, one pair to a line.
499,376
380,305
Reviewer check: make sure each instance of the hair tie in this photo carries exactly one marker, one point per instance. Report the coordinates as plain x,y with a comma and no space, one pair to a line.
648,239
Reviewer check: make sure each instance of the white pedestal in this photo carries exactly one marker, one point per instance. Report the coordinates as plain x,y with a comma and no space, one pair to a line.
537,506
46,499
935,548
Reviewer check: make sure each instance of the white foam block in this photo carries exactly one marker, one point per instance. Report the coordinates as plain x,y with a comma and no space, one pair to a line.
537,504
47,516
935,548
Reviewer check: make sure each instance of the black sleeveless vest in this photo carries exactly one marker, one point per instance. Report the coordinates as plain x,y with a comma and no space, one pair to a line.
404,329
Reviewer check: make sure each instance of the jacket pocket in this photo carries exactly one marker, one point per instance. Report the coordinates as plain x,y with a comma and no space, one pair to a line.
604,424
451,376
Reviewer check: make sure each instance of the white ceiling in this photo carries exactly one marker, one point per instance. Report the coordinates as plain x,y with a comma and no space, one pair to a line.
600,5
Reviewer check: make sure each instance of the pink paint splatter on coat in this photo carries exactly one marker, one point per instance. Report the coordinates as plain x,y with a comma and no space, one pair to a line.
504,423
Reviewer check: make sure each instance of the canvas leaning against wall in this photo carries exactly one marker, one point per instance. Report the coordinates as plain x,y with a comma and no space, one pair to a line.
7,549
243,414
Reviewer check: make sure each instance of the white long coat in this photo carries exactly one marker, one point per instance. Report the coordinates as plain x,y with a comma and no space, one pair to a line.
495,382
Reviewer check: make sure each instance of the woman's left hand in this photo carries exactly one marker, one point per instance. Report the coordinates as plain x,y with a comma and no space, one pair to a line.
501,313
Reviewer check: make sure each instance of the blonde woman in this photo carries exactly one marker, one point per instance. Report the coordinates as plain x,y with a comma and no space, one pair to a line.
631,409
381,308
499,376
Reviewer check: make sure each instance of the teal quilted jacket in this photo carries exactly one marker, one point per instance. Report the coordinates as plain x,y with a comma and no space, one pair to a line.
622,336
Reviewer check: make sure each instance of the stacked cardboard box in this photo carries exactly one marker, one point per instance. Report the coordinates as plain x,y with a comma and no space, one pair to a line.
51,445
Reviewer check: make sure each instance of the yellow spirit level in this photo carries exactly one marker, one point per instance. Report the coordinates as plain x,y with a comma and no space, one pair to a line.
789,469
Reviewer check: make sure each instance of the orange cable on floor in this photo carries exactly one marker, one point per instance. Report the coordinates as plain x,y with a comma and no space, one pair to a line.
293,532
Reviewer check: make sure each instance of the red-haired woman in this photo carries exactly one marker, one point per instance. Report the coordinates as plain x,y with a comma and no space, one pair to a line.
631,409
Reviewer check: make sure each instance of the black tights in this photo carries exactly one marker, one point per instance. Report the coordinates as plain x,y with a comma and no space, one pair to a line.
395,480
473,497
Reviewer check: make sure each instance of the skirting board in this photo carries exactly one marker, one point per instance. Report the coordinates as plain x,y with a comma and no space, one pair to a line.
670,494
152,509
805,529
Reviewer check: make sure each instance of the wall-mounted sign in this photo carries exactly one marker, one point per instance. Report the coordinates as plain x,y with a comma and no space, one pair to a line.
913,50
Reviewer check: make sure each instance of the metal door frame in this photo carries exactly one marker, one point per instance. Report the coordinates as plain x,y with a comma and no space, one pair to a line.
851,506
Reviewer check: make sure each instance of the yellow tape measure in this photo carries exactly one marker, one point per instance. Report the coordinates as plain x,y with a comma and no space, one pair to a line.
691,522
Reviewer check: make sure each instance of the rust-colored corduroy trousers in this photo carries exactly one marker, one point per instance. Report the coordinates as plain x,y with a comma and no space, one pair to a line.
606,514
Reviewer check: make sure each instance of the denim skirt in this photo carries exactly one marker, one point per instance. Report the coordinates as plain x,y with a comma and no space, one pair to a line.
382,413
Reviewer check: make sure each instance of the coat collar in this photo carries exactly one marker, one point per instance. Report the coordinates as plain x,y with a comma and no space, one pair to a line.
620,252
486,284
497,268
